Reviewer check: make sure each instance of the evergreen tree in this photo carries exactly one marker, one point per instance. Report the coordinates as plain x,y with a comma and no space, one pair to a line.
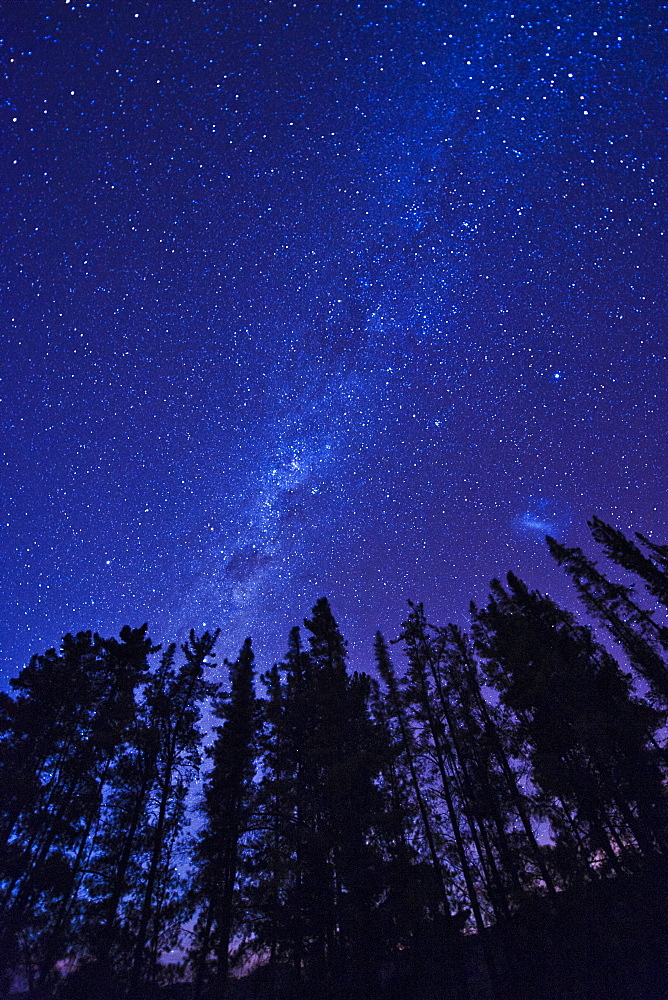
118,864
406,742
482,742
644,641
286,798
430,713
343,760
424,928
273,876
228,797
652,570
173,700
317,899
63,732
588,738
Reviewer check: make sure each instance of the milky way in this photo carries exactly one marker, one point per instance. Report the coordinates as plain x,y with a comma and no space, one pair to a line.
299,298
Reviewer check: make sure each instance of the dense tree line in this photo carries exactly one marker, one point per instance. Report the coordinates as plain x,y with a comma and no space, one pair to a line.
448,824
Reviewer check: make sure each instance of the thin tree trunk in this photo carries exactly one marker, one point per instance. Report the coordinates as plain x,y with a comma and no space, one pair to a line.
406,738
518,800
121,872
200,969
66,902
142,931
449,802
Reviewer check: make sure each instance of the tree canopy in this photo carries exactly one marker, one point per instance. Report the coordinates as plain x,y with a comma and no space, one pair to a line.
446,823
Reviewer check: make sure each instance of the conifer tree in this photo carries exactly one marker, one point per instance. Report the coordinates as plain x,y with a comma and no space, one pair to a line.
652,570
431,714
340,748
317,898
116,865
587,736
407,747
173,701
62,734
643,640
227,806
488,791
420,880
273,895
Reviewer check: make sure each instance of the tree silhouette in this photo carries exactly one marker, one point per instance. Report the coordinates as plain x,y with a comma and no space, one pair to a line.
644,640
173,702
228,794
64,731
588,737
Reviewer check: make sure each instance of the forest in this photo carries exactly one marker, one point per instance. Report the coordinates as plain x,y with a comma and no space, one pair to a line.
484,819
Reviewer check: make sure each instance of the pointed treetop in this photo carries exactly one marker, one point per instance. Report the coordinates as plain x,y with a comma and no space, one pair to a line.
328,647
626,553
294,646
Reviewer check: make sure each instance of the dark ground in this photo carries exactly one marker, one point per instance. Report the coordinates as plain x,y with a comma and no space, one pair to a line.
607,940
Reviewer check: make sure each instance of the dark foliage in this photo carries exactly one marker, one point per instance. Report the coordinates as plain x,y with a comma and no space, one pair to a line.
491,825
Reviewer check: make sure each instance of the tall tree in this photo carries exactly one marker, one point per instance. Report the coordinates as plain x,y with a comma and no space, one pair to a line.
426,926
228,797
431,713
652,569
482,746
173,702
397,710
643,639
322,806
63,732
588,737
344,759
279,893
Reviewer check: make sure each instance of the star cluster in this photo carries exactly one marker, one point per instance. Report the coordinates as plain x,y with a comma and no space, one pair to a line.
302,298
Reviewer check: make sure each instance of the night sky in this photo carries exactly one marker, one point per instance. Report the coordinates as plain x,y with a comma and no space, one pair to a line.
356,299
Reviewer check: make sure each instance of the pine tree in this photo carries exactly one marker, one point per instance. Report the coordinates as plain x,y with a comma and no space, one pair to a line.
482,743
349,751
652,570
116,867
426,929
408,750
173,700
588,737
643,640
316,899
62,734
430,712
273,890
287,799
227,807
